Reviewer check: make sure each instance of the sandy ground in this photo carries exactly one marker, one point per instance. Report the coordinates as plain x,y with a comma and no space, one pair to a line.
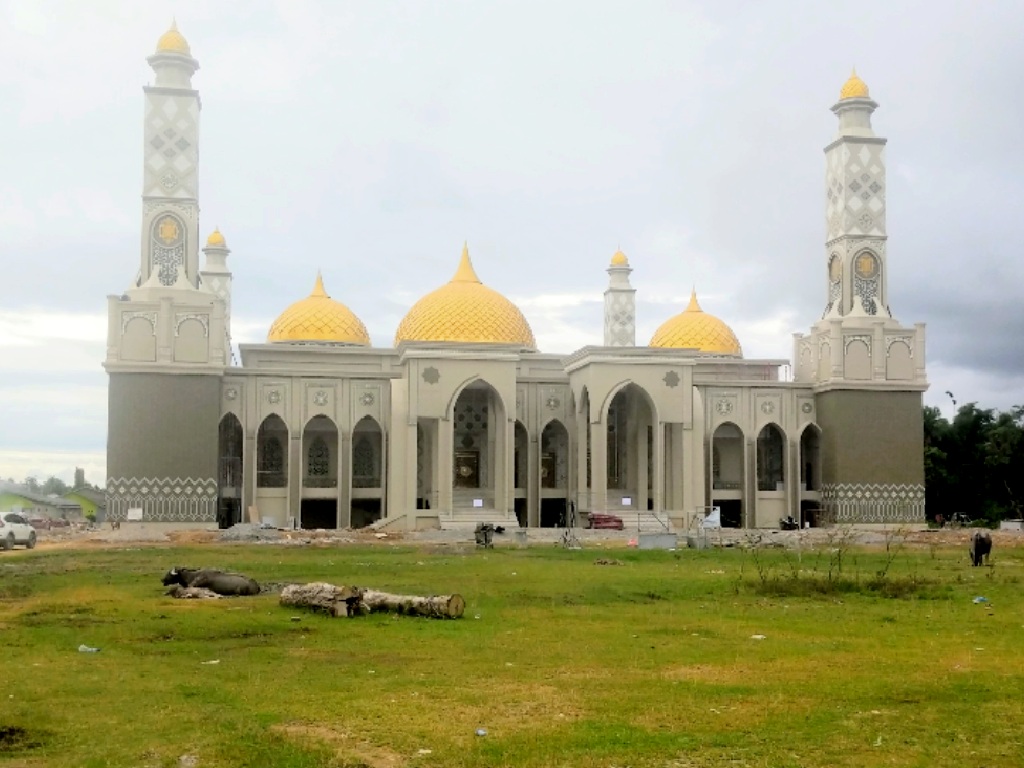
143,535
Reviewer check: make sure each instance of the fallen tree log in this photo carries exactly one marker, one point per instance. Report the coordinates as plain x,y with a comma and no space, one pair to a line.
322,597
353,601
434,606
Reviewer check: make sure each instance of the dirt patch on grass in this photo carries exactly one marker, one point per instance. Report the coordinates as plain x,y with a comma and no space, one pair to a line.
352,751
14,738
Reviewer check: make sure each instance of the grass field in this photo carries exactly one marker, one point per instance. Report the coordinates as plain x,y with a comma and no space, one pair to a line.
653,661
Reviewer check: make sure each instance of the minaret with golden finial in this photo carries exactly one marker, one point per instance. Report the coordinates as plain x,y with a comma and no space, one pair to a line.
855,241
170,189
619,304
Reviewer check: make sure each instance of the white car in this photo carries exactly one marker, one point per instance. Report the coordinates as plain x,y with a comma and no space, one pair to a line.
15,529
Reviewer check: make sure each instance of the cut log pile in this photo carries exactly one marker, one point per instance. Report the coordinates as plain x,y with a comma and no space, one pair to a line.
358,601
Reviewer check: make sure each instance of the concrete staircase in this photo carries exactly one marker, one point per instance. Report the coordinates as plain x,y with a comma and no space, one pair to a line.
468,519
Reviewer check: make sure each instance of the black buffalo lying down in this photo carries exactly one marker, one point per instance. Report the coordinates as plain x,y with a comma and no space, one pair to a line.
216,581
981,546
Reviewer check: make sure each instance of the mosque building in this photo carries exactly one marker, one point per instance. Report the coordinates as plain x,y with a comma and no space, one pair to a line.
463,420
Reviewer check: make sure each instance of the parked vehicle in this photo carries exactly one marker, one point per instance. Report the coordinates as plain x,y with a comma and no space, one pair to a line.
15,529
601,520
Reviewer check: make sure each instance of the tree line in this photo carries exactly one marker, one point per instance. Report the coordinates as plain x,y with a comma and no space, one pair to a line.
974,464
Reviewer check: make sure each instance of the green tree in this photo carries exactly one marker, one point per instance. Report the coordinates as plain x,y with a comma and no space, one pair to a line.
975,464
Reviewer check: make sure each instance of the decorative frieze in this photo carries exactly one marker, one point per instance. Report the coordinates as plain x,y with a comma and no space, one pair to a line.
873,503
163,499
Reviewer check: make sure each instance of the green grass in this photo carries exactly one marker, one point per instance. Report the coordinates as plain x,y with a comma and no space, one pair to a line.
562,661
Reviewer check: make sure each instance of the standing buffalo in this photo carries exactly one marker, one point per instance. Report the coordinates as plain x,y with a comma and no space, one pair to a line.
216,581
981,547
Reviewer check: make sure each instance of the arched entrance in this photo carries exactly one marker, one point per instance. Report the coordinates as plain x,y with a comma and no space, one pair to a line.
810,475
367,472
481,480
554,474
770,463
319,502
272,470
630,451
521,474
229,471
727,475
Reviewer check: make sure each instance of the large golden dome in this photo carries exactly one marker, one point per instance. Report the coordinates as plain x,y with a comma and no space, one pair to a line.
693,328
468,311
854,88
172,41
318,317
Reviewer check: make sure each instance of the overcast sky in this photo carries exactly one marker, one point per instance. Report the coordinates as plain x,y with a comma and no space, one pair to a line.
369,140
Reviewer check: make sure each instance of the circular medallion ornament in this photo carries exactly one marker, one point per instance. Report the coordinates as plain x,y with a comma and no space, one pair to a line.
320,397
169,181
553,402
866,266
724,407
230,393
366,398
806,407
835,269
767,407
274,396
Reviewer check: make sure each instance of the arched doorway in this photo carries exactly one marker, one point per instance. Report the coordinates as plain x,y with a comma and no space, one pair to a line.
319,504
554,474
770,465
727,475
229,471
521,474
272,470
480,478
367,472
810,475
630,451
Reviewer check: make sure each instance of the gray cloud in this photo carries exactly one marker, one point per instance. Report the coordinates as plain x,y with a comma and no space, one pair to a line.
371,141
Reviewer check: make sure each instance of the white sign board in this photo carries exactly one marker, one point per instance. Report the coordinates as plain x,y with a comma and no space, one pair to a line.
713,519
627,501
135,515
478,502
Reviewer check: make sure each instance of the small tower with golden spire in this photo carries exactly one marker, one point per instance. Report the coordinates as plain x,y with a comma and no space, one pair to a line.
216,277
619,304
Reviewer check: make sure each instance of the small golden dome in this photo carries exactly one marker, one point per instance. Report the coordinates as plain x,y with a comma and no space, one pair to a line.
693,328
468,311
216,239
854,88
172,41
318,317
619,259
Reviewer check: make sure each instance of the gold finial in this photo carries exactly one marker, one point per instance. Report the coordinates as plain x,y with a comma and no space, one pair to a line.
693,306
172,41
318,287
216,239
619,259
465,273
854,88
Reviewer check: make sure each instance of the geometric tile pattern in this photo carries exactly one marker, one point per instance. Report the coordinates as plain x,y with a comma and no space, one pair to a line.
619,318
171,145
855,189
165,500
873,503
466,310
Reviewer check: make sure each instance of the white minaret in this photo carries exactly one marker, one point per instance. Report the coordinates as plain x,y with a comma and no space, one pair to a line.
619,305
170,190
855,209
